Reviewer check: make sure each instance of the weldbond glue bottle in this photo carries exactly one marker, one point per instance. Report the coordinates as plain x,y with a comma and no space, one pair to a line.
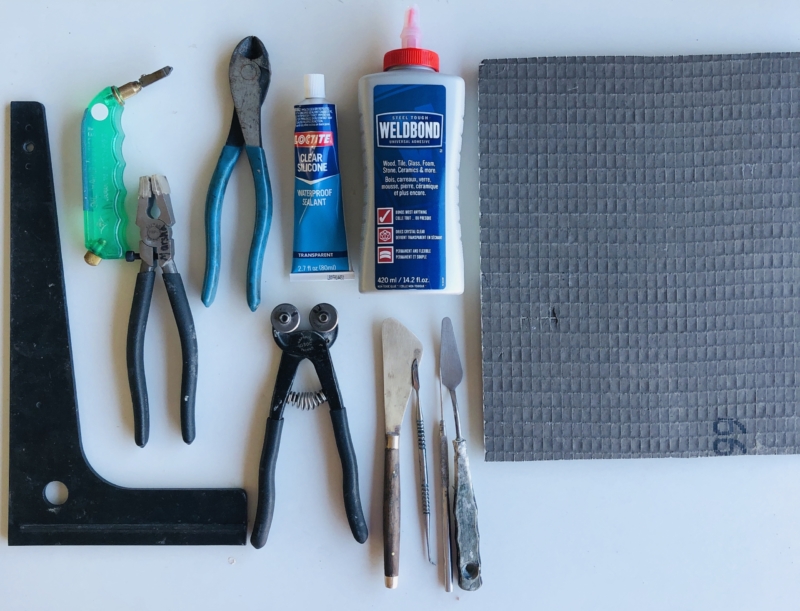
412,119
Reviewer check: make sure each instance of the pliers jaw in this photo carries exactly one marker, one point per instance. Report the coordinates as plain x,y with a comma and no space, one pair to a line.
249,75
155,218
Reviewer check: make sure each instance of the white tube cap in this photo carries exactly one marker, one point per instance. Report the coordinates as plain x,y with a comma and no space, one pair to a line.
314,85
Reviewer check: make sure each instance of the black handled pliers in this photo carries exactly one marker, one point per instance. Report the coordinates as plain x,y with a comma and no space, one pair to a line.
155,218
249,74
297,346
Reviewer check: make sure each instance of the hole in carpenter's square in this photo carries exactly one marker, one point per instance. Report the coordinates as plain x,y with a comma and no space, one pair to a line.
56,493
27,166
28,146
28,127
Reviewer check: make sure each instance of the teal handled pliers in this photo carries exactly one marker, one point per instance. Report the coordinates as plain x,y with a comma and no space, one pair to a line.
249,74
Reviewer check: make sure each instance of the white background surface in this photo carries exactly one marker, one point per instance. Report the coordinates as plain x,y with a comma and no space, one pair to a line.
637,534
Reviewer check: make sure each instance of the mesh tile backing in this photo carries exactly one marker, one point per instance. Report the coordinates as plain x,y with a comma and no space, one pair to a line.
640,256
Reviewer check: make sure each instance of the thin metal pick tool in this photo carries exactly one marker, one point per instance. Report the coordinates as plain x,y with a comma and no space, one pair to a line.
444,473
422,461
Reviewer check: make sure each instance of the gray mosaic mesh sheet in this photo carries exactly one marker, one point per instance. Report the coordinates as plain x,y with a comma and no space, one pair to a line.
640,256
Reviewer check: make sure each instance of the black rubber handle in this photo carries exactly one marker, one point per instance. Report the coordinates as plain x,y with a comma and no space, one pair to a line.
266,483
142,295
352,497
188,335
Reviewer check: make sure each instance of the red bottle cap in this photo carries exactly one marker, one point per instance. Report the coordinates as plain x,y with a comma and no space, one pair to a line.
411,56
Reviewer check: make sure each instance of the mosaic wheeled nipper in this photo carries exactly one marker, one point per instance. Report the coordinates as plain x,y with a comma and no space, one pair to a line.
297,346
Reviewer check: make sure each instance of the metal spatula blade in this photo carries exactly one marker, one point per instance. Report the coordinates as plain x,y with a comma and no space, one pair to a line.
449,361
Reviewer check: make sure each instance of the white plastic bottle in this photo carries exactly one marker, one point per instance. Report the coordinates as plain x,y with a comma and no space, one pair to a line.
412,119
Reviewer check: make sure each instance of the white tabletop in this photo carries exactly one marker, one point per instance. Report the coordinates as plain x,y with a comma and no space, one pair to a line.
633,534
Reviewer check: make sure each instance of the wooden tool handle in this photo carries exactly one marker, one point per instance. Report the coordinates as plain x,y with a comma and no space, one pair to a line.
391,511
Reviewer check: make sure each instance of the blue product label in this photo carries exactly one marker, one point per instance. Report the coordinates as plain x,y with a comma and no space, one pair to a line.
409,153
320,244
